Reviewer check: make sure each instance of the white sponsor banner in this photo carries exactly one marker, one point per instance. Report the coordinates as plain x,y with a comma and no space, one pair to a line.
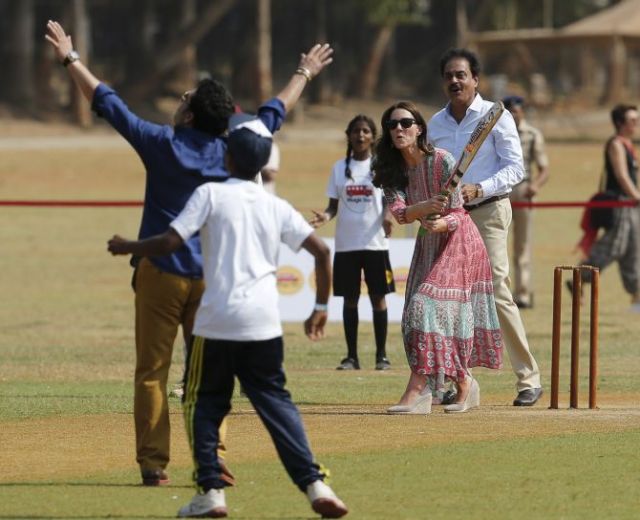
296,284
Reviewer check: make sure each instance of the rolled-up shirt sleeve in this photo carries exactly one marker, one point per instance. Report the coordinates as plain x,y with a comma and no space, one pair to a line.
507,146
272,114
107,104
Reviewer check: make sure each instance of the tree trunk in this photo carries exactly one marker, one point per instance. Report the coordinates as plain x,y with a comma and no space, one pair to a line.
462,24
18,73
140,40
80,30
317,91
371,71
186,70
618,63
167,57
264,85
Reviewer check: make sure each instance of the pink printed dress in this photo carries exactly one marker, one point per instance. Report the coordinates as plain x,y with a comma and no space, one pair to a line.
449,323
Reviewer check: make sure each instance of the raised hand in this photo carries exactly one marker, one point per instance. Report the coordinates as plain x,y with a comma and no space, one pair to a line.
60,41
318,57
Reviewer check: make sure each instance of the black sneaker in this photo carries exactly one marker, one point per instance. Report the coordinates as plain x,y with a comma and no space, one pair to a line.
569,286
524,304
383,364
155,477
528,397
348,364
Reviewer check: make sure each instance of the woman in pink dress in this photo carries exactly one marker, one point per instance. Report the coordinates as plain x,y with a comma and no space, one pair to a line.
449,323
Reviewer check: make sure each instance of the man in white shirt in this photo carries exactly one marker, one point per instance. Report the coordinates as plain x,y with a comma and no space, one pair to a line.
495,170
237,330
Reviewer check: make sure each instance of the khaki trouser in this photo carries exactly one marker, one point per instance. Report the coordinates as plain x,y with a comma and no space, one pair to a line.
493,222
522,236
163,302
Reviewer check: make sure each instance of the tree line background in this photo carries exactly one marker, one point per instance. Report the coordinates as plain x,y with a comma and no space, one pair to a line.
149,49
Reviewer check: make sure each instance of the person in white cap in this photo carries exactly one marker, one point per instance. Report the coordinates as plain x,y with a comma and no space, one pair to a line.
237,330
177,159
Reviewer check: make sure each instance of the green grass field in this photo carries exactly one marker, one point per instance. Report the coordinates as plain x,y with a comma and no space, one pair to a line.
66,370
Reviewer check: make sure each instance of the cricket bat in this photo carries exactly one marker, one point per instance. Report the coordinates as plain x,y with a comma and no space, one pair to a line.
478,136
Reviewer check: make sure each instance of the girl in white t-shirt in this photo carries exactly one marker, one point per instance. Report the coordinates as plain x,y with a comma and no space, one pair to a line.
362,227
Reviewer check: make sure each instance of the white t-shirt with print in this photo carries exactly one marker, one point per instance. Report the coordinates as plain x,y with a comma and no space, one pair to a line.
360,209
241,227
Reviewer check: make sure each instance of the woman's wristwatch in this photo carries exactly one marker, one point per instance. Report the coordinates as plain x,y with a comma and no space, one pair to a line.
70,58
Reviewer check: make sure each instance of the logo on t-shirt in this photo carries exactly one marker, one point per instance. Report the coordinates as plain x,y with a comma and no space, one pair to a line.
358,197
358,190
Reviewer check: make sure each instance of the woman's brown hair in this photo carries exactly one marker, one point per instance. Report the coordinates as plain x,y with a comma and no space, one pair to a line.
388,164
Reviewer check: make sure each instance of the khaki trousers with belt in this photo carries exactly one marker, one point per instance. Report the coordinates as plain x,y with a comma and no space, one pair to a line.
163,302
493,220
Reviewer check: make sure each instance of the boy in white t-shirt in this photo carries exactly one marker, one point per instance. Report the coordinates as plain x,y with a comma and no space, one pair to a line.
237,330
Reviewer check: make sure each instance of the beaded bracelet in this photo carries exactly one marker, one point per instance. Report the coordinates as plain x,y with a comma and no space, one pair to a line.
305,72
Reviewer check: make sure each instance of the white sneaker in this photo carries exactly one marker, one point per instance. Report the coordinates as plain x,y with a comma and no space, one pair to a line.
324,501
209,505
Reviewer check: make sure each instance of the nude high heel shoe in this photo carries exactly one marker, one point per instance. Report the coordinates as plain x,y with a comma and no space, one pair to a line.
421,406
471,401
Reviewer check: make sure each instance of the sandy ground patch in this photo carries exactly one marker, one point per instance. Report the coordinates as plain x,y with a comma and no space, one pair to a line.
74,447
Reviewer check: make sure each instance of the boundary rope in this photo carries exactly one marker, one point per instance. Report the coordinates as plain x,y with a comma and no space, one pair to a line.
133,203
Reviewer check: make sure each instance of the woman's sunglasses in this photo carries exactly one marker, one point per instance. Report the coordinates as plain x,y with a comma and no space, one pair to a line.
405,122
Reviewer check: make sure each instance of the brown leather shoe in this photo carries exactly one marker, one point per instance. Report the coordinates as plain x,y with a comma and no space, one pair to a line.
155,477
226,475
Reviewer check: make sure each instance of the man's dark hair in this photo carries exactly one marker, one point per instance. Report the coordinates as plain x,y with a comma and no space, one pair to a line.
513,101
474,63
619,114
211,105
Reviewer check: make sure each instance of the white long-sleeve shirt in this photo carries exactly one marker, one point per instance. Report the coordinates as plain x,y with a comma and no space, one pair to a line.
498,165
